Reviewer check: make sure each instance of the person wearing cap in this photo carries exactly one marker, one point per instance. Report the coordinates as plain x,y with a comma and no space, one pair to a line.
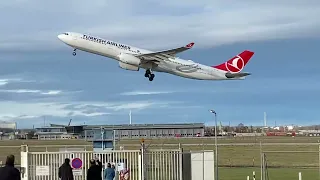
9,172
65,170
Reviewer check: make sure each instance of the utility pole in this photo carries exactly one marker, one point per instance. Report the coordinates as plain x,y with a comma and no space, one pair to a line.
216,145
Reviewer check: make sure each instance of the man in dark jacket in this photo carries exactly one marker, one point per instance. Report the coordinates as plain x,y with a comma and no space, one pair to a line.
65,170
9,172
94,172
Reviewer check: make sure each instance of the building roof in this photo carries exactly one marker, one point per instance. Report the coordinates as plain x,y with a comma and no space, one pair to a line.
139,126
8,125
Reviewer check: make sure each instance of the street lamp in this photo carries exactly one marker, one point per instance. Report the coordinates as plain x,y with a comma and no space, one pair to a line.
215,143
102,132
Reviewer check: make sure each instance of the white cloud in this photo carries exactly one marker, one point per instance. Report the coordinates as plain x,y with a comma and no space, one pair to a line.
132,105
172,23
50,92
10,110
136,93
3,82
8,117
96,114
7,81
118,106
15,110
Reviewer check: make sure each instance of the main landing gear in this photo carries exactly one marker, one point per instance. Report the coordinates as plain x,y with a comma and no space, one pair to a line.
74,52
149,75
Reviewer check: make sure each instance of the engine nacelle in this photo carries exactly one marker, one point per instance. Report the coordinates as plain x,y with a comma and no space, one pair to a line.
128,66
129,59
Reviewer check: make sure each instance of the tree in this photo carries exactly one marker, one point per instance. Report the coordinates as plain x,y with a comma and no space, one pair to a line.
259,130
251,129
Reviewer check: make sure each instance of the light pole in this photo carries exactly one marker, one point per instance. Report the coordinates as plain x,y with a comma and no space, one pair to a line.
216,144
102,132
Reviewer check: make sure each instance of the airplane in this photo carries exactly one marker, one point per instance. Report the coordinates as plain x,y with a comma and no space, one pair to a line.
133,58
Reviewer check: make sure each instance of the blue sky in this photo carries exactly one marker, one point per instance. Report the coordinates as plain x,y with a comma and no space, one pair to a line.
39,77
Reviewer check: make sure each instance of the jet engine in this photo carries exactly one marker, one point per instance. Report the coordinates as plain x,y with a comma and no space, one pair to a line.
129,59
236,75
128,66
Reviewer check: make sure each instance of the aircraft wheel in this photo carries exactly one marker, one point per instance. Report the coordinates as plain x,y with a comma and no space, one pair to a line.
74,53
151,77
148,73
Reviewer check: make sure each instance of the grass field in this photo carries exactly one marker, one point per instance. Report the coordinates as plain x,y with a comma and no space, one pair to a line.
274,173
238,157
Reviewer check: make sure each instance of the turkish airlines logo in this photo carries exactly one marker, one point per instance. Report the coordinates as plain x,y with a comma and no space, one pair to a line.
235,65
190,45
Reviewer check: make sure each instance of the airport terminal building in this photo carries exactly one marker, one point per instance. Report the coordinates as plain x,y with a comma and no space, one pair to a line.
126,131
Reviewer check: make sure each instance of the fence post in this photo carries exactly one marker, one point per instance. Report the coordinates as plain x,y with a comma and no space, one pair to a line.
203,164
300,176
139,166
180,163
261,161
143,163
319,159
248,177
262,166
24,162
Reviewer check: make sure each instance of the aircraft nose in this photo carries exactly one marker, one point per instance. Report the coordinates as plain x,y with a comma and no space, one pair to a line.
60,36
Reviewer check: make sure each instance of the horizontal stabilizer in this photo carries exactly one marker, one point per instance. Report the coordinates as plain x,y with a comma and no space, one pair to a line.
237,75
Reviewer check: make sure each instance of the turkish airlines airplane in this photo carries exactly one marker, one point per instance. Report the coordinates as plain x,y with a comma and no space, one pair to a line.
133,58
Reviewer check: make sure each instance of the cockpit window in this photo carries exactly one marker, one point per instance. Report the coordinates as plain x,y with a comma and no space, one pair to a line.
66,34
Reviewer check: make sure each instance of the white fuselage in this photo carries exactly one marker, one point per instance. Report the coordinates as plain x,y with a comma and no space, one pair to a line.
111,49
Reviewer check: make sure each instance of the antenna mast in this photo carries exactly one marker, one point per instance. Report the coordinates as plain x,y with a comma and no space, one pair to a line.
265,119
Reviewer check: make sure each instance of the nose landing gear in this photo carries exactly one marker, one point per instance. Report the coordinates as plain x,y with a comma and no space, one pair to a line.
74,52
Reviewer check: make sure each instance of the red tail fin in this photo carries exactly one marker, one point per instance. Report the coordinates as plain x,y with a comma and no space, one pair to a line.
237,63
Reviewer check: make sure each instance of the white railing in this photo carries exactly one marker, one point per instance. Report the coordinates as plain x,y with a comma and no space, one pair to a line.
143,164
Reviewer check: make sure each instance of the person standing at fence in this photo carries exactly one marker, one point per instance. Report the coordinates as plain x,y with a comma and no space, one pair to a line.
65,170
9,172
94,172
109,173
99,168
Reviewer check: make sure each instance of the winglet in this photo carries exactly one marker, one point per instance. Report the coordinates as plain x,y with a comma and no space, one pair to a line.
190,45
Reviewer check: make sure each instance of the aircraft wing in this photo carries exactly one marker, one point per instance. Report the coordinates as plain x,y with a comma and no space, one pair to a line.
163,55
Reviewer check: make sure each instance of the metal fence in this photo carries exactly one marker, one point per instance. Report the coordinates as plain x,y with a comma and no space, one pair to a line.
290,164
16,150
267,161
142,164
45,165
161,164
